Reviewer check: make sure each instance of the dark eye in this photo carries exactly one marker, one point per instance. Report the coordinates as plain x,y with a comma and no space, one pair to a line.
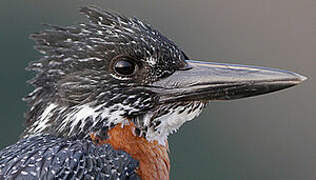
125,67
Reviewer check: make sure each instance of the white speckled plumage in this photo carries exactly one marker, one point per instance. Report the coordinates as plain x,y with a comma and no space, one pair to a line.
78,93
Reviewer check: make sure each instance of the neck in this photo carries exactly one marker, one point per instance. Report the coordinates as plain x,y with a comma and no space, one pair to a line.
73,121
153,157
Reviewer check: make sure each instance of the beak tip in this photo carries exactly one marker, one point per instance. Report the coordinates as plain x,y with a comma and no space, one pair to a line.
300,78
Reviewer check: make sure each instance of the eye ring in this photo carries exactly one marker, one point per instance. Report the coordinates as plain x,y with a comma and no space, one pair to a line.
125,66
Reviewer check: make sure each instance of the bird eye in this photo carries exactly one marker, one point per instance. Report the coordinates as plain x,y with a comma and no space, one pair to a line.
125,67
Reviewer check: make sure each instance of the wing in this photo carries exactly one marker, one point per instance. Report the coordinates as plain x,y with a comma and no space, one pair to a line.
48,157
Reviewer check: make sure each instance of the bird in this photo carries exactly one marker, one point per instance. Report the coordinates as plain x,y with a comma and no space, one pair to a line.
107,94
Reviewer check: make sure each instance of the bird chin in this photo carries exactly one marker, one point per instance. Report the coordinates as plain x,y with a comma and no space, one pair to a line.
172,116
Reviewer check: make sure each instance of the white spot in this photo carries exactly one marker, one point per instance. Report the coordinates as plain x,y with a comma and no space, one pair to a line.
24,173
67,59
151,60
99,32
90,59
42,123
68,40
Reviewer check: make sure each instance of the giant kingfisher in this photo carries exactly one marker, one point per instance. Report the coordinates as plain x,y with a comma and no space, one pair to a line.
109,91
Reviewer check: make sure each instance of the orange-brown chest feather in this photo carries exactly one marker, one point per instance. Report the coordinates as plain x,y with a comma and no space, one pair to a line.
153,158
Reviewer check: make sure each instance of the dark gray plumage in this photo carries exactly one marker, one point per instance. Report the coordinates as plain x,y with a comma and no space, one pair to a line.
76,72
48,157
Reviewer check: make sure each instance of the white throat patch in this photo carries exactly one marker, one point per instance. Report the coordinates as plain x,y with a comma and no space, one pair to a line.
173,120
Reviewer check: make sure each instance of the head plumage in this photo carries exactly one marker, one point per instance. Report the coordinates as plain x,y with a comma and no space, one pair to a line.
74,70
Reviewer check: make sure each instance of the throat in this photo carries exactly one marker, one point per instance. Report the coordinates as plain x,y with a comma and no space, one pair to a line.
153,157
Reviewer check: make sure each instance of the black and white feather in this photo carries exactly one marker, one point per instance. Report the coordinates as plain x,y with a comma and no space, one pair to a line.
48,157
77,92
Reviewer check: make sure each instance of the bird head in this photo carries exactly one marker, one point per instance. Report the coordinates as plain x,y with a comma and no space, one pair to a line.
115,70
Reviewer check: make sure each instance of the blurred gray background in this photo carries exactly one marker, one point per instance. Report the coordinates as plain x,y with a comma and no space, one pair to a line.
268,137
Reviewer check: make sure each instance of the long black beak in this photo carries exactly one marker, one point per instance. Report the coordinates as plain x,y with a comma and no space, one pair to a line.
205,81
